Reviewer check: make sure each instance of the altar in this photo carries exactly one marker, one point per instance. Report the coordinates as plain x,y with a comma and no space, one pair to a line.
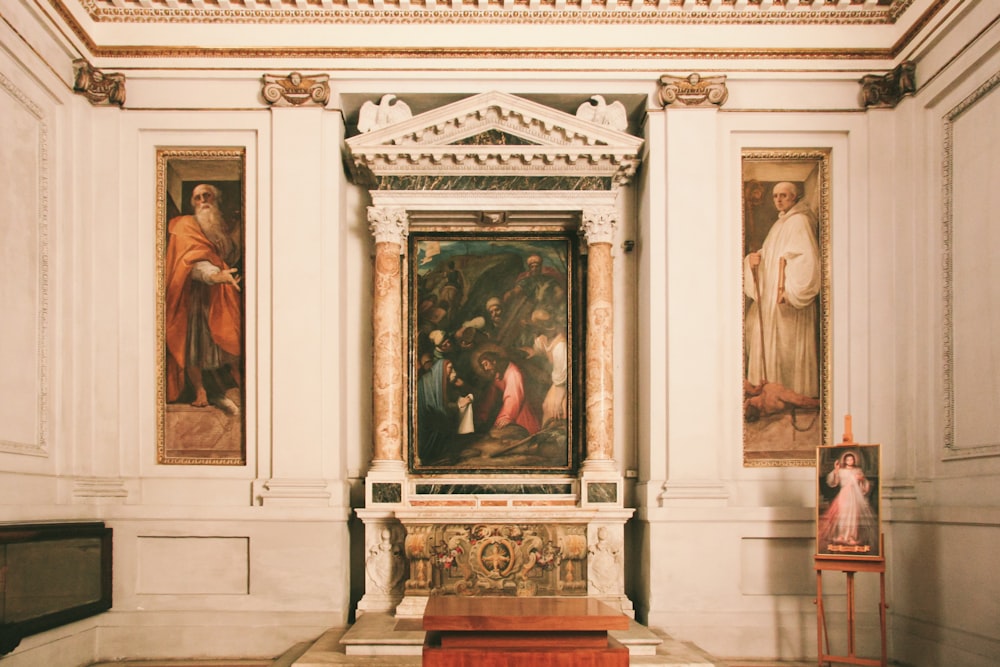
493,472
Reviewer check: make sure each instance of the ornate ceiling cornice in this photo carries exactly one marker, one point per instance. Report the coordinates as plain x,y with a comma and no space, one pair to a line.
499,11
750,13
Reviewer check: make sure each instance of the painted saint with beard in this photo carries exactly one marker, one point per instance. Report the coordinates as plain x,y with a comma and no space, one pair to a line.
203,308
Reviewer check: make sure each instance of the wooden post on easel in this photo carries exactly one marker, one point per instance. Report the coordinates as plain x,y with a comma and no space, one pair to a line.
849,566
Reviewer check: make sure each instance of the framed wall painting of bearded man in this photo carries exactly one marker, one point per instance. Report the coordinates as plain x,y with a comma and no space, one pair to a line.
786,305
200,227
494,355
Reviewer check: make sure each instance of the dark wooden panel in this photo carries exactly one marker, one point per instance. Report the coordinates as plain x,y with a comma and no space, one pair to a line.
51,574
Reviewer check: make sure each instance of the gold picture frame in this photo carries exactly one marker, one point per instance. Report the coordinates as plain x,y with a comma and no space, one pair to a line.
786,210
200,306
495,363
848,506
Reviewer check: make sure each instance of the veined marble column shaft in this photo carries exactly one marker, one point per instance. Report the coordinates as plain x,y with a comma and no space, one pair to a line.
598,229
389,227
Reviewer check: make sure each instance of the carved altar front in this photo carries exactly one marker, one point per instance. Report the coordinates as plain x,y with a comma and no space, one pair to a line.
500,162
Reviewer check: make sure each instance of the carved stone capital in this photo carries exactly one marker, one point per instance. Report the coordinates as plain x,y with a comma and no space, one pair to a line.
693,91
598,224
886,90
99,87
388,224
296,90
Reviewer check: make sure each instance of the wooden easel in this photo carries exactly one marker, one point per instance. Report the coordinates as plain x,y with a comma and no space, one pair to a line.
849,566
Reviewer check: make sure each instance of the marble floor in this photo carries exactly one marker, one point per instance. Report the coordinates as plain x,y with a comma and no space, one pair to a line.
380,639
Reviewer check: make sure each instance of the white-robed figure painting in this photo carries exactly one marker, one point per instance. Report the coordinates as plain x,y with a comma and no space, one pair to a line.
848,501
784,289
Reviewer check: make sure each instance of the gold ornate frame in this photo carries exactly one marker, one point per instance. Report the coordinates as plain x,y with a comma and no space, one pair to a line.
494,266
185,434
767,442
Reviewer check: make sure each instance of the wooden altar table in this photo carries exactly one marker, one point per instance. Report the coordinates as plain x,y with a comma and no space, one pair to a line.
522,632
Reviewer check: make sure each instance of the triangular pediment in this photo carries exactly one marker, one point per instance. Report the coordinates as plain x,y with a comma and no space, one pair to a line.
495,136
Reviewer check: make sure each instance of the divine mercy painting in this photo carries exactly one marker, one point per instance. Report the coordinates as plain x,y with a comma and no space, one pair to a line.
786,290
847,505
494,357
200,259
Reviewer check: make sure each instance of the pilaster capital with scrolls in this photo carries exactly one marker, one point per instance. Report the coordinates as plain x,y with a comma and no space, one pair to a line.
296,90
598,224
101,88
388,224
884,91
693,91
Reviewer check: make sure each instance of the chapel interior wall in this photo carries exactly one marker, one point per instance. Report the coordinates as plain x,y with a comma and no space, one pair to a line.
272,544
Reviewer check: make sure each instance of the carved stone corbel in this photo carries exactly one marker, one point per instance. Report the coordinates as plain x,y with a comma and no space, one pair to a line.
97,86
296,90
880,91
693,91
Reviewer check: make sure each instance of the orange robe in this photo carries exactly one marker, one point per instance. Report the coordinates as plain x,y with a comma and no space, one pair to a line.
188,245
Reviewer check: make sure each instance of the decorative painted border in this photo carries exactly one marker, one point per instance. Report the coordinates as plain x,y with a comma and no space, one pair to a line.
40,448
951,450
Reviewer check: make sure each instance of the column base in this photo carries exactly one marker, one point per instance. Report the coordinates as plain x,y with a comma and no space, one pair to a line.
601,485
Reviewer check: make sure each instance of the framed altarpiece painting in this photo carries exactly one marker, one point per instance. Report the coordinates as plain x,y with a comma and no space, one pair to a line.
786,305
200,203
494,360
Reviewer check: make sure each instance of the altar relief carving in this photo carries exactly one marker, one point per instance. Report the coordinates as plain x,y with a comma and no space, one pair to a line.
606,564
385,567
523,559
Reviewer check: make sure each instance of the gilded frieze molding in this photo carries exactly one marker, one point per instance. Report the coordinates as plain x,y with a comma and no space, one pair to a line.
101,88
693,91
538,11
296,90
886,90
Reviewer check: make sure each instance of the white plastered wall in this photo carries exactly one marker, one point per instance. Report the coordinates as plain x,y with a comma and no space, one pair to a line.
945,513
732,545
246,561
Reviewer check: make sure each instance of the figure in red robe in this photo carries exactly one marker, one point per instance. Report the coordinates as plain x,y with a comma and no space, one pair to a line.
203,308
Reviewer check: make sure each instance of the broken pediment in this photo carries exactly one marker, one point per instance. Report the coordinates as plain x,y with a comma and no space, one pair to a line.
493,141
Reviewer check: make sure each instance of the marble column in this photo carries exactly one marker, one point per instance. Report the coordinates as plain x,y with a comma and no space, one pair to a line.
389,227
598,229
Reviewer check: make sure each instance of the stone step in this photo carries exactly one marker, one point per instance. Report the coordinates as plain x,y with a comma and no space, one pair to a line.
382,639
